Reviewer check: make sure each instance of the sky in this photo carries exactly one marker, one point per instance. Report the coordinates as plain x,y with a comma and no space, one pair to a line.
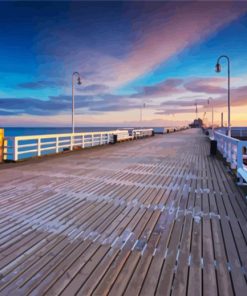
157,58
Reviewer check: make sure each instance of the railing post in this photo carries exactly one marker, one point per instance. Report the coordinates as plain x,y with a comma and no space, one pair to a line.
39,146
82,140
239,155
5,149
225,150
234,157
71,142
100,138
92,139
228,158
1,144
15,154
57,145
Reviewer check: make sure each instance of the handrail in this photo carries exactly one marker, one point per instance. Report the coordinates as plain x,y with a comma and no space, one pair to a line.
233,150
44,136
20,147
238,131
140,133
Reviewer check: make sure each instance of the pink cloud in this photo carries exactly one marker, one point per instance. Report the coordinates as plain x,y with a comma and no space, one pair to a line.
173,30
167,87
185,103
238,98
160,30
206,85
173,111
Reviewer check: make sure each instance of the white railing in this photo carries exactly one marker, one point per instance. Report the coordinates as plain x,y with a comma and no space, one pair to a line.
169,130
21,147
122,135
234,151
140,133
236,131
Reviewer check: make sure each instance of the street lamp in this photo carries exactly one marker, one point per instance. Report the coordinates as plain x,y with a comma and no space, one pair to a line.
212,102
73,98
218,69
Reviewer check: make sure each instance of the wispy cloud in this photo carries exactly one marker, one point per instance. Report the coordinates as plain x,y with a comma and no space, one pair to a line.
165,88
94,88
42,84
156,32
238,98
173,111
173,29
33,106
103,102
159,31
205,85
62,104
184,103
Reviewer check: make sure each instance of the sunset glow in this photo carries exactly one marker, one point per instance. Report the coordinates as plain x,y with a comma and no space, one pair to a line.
162,54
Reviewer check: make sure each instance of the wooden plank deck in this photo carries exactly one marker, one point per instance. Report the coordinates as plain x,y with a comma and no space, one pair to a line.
151,217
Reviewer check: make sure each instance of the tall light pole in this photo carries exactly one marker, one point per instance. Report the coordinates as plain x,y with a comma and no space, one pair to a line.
218,69
73,98
212,102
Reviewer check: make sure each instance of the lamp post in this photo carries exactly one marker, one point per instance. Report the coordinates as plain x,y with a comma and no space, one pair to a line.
212,102
73,98
218,69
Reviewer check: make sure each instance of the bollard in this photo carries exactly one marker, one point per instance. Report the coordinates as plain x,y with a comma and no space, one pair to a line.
213,147
1,144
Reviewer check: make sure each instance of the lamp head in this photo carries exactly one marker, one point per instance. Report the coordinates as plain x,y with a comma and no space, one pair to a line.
79,80
218,68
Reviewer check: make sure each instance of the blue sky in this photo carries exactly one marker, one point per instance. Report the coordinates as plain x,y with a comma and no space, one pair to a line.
128,53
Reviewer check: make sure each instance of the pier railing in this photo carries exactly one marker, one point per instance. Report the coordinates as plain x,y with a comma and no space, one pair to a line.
140,133
236,131
235,153
21,147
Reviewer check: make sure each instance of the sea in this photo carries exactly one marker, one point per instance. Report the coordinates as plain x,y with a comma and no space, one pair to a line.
30,131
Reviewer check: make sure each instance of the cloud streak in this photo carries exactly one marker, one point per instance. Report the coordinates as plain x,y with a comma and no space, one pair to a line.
42,84
169,33
157,32
205,85
238,98
108,102
165,88
93,88
62,104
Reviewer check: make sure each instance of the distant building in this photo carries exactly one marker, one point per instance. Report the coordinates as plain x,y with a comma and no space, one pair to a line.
196,123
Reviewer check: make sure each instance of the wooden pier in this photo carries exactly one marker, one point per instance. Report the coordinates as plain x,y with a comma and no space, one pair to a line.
157,216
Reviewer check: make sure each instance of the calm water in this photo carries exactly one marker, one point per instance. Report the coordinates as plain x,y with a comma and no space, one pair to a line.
28,131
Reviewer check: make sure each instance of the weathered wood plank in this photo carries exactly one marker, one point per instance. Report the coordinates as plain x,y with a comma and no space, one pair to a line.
158,216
